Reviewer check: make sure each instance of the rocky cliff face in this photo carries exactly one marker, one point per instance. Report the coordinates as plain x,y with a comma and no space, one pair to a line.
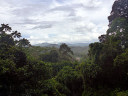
119,9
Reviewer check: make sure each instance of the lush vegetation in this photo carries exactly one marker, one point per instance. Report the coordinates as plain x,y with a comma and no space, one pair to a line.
27,70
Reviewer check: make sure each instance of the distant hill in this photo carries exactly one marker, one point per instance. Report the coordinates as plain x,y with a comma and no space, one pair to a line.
58,45
79,44
47,45
79,49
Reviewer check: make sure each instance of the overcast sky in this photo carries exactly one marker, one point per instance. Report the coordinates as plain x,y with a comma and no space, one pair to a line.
55,21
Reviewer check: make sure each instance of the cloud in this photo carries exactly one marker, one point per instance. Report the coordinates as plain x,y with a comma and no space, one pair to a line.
57,21
42,26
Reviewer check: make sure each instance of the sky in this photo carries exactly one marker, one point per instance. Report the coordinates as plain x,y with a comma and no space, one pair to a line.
57,21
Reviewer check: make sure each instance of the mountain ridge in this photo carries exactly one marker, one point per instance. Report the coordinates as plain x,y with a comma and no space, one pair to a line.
57,45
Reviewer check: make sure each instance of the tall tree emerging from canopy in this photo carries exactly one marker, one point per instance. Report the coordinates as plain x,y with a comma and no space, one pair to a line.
11,38
119,9
110,51
13,62
65,52
4,37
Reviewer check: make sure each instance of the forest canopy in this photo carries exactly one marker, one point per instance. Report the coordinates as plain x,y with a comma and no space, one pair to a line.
27,70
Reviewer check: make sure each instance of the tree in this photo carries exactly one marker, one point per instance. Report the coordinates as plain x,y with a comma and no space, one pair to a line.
13,62
52,56
16,34
65,52
70,78
24,43
5,28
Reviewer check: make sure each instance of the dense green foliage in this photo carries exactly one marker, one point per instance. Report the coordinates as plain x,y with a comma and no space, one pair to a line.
27,70
111,55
